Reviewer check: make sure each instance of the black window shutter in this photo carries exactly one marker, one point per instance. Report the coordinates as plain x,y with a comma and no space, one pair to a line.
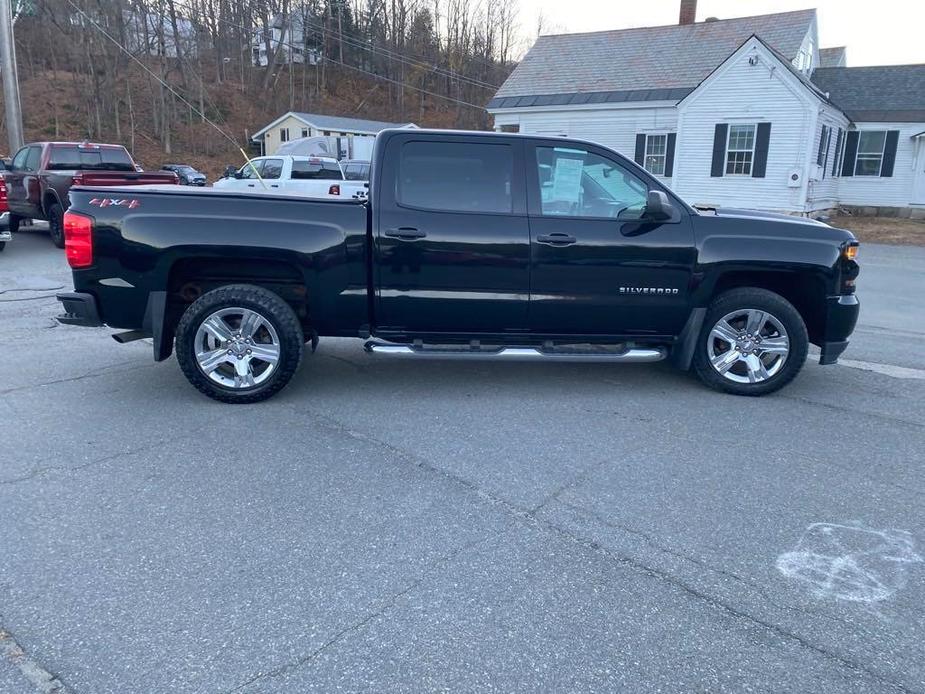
669,155
763,140
889,152
719,149
851,153
828,148
641,150
837,150
821,146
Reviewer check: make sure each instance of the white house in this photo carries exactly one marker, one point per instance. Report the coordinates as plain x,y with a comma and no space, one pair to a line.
286,37
733,112
354,136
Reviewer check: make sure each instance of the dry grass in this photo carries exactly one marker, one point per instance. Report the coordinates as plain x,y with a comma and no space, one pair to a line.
905,232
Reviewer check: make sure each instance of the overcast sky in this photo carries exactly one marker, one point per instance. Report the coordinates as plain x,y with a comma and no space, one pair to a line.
876,32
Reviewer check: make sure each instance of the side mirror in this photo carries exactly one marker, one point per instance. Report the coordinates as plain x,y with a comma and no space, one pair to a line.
658,206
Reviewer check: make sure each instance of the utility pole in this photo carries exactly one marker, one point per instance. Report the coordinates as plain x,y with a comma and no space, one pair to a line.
11,101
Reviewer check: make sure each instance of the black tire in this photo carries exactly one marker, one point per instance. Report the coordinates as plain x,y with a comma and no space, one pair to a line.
781,310
56,224
272,309
13,223
2,246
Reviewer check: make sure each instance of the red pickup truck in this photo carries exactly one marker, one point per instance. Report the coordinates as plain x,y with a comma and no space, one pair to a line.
42,173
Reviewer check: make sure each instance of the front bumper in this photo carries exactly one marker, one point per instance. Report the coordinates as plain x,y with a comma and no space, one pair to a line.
840,318
79,309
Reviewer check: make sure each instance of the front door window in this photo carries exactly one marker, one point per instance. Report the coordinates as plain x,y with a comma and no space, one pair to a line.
578,183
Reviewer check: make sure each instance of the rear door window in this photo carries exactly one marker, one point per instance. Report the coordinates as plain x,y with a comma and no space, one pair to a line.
456,177
272,169
32,160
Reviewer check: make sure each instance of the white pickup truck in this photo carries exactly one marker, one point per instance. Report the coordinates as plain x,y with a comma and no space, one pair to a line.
311,177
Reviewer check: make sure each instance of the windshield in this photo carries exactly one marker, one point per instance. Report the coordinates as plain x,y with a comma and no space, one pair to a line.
72,157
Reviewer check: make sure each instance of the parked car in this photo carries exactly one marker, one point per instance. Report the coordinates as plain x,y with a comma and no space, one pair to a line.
187,174
464,250
42,173
314,177
355,169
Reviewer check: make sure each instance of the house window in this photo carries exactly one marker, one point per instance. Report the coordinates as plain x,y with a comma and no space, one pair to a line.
870,152
304,132
511,128
656,154
740,149
284,134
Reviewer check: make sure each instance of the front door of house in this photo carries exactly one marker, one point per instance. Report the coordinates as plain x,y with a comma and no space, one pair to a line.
918,183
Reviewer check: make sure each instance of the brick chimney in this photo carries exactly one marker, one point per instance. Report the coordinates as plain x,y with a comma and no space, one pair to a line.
688,14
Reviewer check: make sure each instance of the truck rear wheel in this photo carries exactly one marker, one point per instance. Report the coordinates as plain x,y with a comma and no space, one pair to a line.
56,224
753,342
239,343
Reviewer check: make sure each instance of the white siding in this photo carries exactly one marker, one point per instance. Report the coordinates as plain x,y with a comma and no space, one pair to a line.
615,128
893,191
742,93
822,191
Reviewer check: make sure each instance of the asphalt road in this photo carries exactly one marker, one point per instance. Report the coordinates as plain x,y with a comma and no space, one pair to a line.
406,526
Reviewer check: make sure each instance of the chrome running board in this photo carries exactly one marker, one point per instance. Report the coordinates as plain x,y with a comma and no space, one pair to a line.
628,354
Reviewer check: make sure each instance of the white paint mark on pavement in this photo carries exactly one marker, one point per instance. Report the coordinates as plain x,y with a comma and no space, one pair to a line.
35,674
885,369
850,562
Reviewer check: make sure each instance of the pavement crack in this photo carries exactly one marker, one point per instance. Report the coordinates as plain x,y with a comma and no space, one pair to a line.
95,373
526,516
44,681
386,605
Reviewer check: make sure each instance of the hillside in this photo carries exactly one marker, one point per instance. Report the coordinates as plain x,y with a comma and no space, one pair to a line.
56,106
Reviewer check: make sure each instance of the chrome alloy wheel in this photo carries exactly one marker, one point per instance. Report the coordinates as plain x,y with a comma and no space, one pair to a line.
237,348
748,346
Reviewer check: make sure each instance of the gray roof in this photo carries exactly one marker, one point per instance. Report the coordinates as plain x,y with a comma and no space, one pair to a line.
343,124
836,56
884,93
642,64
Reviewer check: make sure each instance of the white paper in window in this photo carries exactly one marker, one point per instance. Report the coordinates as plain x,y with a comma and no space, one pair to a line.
566,180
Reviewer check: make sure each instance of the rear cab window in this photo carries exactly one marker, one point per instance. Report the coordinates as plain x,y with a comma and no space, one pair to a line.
456,177
316,170
82,158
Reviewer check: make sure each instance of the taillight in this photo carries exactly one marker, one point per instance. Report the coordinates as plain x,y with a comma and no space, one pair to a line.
334,190
78,180
4,204
78,239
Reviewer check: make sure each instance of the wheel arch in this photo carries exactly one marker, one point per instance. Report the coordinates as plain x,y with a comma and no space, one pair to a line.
189,278
804,289
49,198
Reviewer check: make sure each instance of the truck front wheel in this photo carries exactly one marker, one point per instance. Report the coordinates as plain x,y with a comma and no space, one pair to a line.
239,343
753,342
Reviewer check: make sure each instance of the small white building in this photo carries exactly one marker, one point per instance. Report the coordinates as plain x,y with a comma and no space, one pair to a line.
353,137
732,112
286,37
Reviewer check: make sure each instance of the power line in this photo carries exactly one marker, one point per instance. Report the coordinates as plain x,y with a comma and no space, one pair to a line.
358,43
367,72
152,73
168,87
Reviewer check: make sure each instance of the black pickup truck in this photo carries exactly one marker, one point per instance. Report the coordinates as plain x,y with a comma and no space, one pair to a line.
470,246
